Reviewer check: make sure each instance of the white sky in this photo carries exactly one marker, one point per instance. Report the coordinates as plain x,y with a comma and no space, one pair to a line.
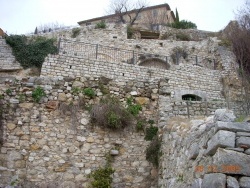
22,16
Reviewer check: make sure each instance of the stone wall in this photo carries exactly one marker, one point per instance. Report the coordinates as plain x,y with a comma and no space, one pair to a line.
53,143
182,77
7,60
211,152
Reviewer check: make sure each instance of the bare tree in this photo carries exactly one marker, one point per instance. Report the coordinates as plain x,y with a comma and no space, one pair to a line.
239,35
48,27
125,10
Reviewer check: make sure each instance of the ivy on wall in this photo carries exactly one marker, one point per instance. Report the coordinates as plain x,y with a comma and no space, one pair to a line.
32,52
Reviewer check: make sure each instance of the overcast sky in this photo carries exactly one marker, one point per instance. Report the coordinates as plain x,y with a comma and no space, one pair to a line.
22,16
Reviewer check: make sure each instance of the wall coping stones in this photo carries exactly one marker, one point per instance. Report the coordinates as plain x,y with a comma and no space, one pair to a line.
221,139
233,126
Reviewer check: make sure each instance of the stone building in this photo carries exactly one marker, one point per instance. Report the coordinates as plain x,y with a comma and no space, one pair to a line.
153,15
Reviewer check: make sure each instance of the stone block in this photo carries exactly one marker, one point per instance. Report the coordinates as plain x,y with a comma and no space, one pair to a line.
231,162
244,182
193,151
214,180
233,126
232,182
220,139
243,142
224,115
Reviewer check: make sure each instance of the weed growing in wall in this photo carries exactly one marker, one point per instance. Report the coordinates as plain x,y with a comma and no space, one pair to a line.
75,32
89,92
110,113
151,132
153,151
8,91
38,93
101,25
33,52
134,109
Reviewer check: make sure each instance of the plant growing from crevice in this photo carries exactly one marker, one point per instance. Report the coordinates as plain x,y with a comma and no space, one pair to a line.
153,151
101,177
75,32
101,25
151,132
76,90
130,32
89,92
110,113
134,109
8,91
38,93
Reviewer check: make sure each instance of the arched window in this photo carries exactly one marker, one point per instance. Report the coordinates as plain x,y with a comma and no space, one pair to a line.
156,63
191,97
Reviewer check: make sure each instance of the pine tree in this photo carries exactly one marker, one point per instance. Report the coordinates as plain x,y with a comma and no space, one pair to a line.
36,31
176,16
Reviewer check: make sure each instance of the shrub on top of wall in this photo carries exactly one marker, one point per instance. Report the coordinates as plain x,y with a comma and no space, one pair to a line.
31,52
75,32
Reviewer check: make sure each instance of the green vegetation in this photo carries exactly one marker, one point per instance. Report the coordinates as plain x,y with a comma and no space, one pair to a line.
151,132
38,93
240,118
89,92
8,91
33,52
183,24
110,113
153,151
75,32
130,32
101,25
182,37
134,109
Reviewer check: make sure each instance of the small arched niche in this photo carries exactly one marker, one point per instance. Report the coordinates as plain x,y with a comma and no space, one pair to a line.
191,97
156,63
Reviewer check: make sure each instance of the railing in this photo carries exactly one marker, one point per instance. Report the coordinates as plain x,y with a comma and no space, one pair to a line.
112,54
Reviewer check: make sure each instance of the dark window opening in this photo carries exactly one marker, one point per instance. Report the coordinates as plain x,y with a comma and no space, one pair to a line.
161,44
191,97
70,66
114,37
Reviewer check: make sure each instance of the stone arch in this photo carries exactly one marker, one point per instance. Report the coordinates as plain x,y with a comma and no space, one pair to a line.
191,97
156,63
195,95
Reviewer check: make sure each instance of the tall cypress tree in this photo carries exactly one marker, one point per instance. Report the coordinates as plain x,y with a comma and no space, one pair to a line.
36,31
176,16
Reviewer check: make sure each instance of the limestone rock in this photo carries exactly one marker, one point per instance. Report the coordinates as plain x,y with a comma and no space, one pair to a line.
197,183
52,105
224,115
193,151
233,126
243,142
220,139
231,162
26,105
133,93
11,126
62,97
232,182
114,152
77,84
215,180
84,121
90,139
142,100
244,182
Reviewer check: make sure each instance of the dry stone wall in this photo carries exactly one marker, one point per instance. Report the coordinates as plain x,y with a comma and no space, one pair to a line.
211,152
53,143
187,77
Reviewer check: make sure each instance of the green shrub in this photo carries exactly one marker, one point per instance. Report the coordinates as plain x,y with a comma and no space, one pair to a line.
183,24
130,32
240,118
151,132
102,177
182,37
140,124
110,113
38,93
76,90
134,109
8,91
225,42
89,92
33,52
75,32
101,25
153,151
